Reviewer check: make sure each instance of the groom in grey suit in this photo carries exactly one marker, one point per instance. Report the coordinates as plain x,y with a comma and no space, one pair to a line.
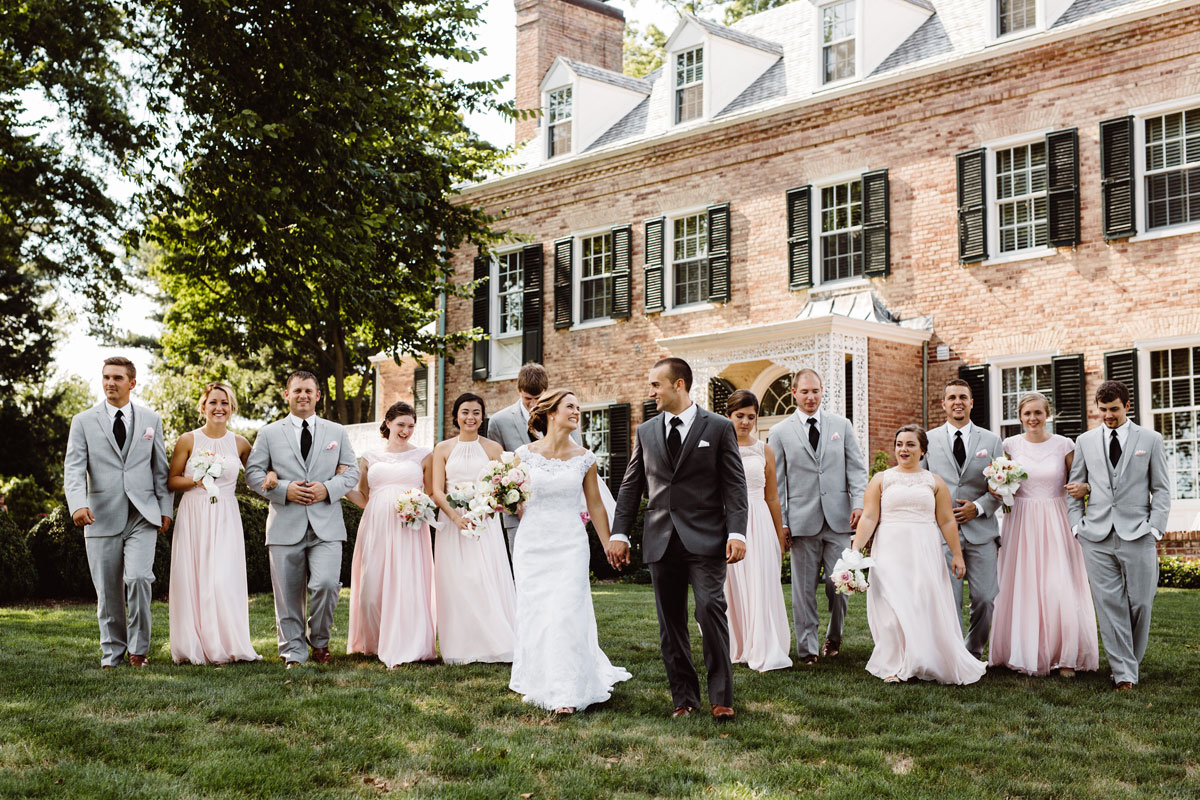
959,452
115,480
1125,468
821,478
305,529
686,461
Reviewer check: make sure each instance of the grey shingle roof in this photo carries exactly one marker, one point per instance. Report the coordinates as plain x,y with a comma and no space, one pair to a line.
608,76
928,40
732,35
771,84
1082,9
631,125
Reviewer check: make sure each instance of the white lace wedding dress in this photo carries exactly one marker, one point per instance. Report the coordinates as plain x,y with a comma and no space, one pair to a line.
557,661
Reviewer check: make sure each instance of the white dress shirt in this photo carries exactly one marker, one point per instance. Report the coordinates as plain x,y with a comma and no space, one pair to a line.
966,439
804,418
298,427
126,415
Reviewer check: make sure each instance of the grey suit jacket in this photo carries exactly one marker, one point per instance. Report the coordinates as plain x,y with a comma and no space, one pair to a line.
968,483
276,448
1131,498
822,486
98,476
702,497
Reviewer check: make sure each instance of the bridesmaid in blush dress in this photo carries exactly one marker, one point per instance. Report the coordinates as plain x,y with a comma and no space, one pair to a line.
911,608
1044,619
209,608
476,599
759,634
391,575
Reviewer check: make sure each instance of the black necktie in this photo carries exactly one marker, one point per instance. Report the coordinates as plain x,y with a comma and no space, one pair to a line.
119,430
960,449
305,440
674,440
814,435
1114,449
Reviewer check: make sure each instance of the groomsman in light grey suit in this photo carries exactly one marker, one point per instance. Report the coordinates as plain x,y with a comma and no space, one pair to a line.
1124,467
305,529
821,477
115,480
959,452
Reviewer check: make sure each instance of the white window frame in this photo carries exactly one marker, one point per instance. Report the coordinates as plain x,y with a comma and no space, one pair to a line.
993,200
818,276
702,49
669,262
997,365
498,342
1140,116
1185,514
588,408
821,45
550,124
1039,22
577,280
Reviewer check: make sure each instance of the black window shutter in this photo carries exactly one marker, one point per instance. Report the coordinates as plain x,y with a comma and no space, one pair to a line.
1070,395
531,305
799,231
622,274
1116,178
421,390
979,378
654,263
564,250
479,318
1121,365
649,410
719,390
1062,177
718,253
972,206
618,444
876,222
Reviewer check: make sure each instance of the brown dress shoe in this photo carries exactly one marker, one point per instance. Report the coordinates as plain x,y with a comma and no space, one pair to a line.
831,649
291,664
809,660
722,713
136,660
682,711
321,655
1123,686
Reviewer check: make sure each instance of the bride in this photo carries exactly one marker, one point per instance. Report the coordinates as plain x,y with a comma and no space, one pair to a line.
557,661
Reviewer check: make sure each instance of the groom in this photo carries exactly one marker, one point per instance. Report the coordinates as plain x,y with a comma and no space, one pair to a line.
686,461
305,529
1125,468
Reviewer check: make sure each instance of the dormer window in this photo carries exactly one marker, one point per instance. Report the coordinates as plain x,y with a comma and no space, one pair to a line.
837,41
689,84
558,122
1013,16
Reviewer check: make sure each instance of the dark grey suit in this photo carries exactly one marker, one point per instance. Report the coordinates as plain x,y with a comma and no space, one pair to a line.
694,505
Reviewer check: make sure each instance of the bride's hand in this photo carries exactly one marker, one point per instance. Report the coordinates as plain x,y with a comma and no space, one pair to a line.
958,566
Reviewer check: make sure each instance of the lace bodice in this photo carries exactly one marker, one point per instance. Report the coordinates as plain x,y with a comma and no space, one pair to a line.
555,483
226,447
754,463
907,497
395,470
1045,463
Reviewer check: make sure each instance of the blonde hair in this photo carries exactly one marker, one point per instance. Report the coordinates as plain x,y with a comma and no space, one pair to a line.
208,389
548,402
1033,397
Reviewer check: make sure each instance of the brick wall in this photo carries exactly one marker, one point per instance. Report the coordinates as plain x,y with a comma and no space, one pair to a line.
894,392
1185,544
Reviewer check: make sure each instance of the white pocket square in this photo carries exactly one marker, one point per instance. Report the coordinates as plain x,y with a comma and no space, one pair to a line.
149,434
835,438
1139,452
981,454
331,446
702,443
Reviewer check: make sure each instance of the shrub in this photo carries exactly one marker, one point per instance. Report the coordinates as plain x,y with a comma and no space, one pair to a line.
880,462
18,575
1179,573
26,501
59,557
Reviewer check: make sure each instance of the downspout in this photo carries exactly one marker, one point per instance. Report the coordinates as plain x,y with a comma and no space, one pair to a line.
440,427
925,385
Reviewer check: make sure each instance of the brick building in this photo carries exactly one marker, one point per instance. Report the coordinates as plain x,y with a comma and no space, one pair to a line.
892,192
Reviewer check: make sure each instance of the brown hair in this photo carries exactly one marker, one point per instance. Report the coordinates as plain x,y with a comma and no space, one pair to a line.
807,371
958,382
677,369
224,387
922,437
740,399
1112,390
533,379
121,361
396,409
301,375
467,397
1033,397
547,403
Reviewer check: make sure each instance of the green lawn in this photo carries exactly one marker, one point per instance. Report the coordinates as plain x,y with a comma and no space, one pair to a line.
354,729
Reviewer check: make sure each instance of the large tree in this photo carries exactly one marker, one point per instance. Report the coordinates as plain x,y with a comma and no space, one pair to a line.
314,215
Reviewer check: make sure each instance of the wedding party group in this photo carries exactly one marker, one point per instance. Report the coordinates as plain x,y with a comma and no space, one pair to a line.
478,550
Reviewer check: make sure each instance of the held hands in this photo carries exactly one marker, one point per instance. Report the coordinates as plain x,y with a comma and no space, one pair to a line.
617,553
83,517
166,523
272,480
958,566
965,511
1078,490
855,516
735,551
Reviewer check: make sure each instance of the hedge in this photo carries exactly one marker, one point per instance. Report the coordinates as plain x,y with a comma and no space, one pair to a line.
17,572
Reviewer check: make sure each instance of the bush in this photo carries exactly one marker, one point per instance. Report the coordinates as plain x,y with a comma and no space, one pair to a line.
60,557
1179,573
18,575
26,501
880,462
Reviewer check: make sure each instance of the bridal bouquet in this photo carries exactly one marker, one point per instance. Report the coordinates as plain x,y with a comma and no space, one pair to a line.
848,576
1004,478
206,467
414,508
504,484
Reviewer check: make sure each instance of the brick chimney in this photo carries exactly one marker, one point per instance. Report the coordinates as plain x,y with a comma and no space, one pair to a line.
590,31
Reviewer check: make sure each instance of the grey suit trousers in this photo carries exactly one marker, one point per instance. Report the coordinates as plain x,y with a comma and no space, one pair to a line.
1124,577
122,568
983,583
809,554
314,565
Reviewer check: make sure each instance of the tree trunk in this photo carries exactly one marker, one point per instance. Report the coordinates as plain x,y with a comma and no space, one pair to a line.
339,365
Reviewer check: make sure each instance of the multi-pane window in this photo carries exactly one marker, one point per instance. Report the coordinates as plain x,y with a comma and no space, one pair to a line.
558,122
1021,196
689,84
778,400
1173,168
508,298
595,278
841,231
837,41
689,259
596,430
1015,383
1175,403
1015,15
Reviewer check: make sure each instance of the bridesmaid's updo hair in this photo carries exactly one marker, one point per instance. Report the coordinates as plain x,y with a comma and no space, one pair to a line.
742,398
208,389
396,409
1033,397
468,397
922,439
547,403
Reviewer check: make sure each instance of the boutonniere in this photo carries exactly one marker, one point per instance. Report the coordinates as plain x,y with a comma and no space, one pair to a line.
981,454
149,434
331,446
1139,452
836,437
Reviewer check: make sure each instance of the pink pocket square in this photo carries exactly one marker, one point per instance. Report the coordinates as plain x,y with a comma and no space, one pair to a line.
836,437
981,454
331,446
1139,452
149,434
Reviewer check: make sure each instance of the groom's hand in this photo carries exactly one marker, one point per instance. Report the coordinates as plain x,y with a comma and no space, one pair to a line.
83,517
735,551
617,553
320,493
965,511
855,516
300,492
166,523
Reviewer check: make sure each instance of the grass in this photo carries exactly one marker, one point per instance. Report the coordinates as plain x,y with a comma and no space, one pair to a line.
354,729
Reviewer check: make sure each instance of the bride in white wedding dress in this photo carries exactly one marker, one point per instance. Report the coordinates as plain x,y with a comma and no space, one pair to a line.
557,661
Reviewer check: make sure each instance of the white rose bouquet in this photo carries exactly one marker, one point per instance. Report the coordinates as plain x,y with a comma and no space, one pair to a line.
1004,478
206,467
848,573
414,508
504,484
